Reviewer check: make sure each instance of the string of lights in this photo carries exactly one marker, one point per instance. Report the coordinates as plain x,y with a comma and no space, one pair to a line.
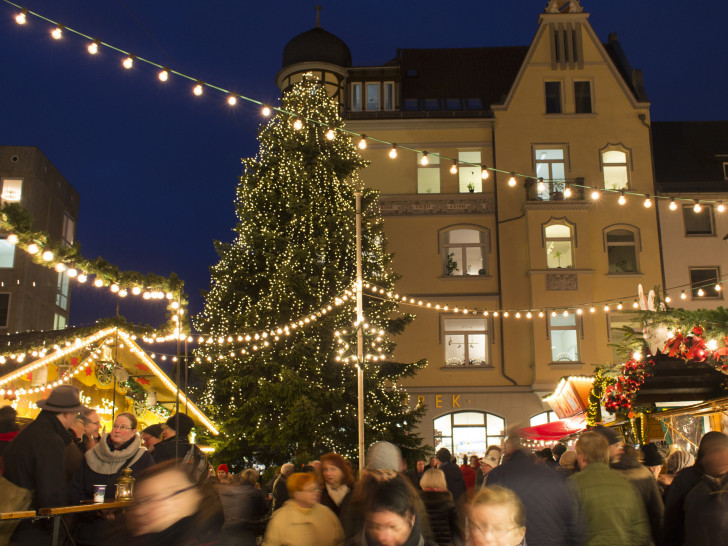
198,88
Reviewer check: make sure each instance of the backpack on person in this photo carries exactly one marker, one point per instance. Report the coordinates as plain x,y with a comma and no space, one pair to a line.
196,465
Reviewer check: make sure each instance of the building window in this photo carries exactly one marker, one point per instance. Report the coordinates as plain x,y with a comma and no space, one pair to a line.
616,333
469,172
372,96
703,281
615,169
622,251
62,291
543,418
356,96
559,242
466,342
464,252
725,170
59,322
389,95
12,190
453,104
7,254
553,97
69,230
468,432
550,164
582,97
563,333
474,104
428,176
4,310
698,223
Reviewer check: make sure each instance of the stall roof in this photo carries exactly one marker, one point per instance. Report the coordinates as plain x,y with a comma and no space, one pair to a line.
719,405
555,430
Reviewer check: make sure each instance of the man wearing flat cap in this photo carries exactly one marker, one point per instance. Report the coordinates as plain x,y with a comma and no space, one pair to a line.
34,460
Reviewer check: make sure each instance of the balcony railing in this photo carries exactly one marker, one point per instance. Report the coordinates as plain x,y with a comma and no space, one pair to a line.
554,191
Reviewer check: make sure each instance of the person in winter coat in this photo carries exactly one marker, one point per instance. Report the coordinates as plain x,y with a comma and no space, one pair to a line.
552,514
102,465
9,429
706,506
338,482
244,508
675,462
34,460
453,475
440,508
302,520
175,438
469,473
496,517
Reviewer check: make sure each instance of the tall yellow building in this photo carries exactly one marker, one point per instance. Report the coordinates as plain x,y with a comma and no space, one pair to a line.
567,109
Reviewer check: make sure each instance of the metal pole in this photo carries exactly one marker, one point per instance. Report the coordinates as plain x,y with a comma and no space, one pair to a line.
359,334
177,382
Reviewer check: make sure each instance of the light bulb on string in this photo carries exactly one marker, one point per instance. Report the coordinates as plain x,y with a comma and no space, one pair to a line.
266,111
330,134
363,142
683,296
648,201
297,124
484,174
700,292
197,89
668,299
595,194
512,180
673,205
72,272
424,160
567,191
622,199
57,32
635,305
718,288
20,18
454,167
393,151
720,207
232,99
619,306
541,186
93,47
12,239
128,62
82,278
697,207
163,74
47,255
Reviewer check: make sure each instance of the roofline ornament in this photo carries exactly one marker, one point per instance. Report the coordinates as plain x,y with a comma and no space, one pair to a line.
563,6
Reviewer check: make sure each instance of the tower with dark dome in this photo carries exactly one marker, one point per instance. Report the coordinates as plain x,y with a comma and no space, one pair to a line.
319,52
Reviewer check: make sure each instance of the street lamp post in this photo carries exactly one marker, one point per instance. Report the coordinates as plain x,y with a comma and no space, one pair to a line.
359,334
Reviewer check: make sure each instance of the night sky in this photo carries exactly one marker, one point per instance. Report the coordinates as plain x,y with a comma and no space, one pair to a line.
156,167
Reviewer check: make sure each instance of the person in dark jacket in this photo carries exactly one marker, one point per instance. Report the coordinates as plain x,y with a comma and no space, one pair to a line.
640,476
34,460
102,465
440,508
175,442
9,429
552,515
453,475
280,489
337,482
244,508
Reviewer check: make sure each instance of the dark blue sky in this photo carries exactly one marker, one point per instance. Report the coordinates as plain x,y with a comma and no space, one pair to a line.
156,167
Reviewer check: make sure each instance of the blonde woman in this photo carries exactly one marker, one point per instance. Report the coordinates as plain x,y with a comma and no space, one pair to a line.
496,517
440,508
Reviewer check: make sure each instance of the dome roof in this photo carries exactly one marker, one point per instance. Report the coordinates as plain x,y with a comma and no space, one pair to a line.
316,45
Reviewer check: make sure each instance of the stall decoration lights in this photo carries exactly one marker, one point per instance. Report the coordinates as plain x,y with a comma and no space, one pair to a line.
601,382
620,396
197,87
347,340
15,221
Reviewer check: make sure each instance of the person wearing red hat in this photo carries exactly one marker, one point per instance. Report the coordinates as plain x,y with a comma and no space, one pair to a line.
223,474
34,460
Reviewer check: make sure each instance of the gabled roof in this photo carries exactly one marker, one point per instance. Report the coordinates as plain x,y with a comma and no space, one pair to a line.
689,155
461,73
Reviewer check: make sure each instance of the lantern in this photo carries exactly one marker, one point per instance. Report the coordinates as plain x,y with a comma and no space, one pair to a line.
125,486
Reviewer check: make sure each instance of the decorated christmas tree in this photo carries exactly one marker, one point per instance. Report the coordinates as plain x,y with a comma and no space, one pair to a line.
286,396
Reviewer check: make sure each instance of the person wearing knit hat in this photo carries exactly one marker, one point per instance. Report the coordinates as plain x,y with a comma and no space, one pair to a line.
175,443
652,458
223,474
558,450
151,436
383,456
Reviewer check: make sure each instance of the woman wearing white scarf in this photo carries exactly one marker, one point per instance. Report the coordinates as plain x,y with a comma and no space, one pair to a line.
102,465
338,481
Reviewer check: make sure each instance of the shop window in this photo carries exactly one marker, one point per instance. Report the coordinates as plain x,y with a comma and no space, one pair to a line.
543,418
553,97
12,190
464,252
703,281
698,223
559,242
372,96
466,341
582,97
428,176
621,251
468,432
564,336
4,310
7,254
469,172
615,169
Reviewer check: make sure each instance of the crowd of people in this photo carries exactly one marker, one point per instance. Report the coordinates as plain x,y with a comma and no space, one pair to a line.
600,492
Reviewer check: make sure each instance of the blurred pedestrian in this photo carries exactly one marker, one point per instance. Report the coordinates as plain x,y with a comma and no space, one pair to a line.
85,429
490,461
302,520
558,450
280,489
338,482
496,517
469,474
151,436
9,429
416,475
244,508
567,463
453,475
676,461
652,458
441,509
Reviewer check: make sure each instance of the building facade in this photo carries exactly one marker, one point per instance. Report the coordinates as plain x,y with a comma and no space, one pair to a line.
33,297
538,259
